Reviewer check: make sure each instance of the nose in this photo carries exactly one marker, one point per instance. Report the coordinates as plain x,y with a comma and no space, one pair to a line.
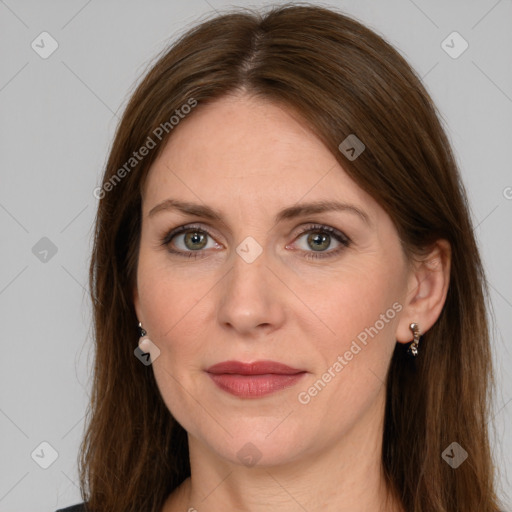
252,298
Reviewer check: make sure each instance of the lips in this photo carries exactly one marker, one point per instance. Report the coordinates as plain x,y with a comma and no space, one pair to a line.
256,368
254,380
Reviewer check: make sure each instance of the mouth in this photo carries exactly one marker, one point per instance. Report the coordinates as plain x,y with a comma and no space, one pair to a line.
254,380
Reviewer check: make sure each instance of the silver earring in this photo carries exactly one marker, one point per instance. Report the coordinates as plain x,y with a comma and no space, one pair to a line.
413,349
142,332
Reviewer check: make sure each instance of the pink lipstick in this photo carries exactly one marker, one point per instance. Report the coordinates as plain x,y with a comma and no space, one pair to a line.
253,380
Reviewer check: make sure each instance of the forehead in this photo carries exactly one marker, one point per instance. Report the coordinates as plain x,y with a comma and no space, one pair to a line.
249,150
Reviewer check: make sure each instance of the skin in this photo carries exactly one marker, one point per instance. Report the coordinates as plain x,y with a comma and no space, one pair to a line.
250,158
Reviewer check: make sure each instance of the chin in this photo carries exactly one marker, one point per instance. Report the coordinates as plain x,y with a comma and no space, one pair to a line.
254,443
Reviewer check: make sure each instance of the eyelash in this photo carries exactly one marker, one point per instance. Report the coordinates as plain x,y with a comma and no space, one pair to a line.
318,228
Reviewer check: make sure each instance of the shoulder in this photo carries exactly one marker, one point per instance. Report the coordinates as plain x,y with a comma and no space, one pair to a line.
80,507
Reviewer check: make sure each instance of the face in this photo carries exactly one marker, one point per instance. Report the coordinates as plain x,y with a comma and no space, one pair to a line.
319,292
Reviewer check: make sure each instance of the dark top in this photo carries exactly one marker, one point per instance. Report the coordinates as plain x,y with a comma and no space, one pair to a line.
80,507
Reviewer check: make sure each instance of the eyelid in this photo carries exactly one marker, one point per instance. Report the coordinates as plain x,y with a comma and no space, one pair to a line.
199,226
343,240
315,226
170,234
338,235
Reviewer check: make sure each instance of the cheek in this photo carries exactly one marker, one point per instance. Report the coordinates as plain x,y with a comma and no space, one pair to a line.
357,301
363,312
167,302
174,308
352,364
175,321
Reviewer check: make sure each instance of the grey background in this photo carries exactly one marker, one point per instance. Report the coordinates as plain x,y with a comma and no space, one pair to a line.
58,117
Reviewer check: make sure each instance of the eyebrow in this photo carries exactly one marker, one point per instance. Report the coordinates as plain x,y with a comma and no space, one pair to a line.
285,214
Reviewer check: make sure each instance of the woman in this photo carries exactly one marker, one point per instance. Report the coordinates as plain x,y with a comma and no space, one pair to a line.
289,302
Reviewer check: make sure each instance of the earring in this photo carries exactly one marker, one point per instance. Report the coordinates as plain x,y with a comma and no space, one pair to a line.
142,332
413,349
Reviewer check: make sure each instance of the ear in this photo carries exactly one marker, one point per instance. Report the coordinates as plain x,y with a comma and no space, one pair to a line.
427,289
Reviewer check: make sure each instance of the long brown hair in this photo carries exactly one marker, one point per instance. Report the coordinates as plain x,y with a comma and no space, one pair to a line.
341,78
